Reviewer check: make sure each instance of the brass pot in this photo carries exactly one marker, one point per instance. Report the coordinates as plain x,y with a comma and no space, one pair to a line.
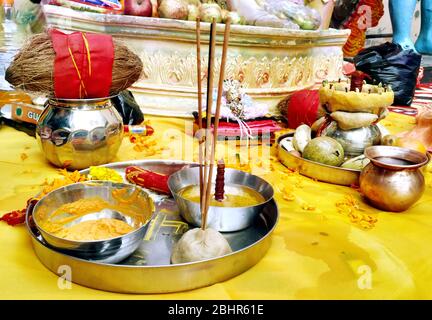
393,180
79,133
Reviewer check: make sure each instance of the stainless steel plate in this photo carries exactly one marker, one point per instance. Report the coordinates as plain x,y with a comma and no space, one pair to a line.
148,270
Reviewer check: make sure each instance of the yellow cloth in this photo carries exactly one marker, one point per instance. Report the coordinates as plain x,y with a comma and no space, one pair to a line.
317,252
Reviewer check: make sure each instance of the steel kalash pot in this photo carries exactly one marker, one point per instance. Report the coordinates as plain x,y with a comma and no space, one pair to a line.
78,133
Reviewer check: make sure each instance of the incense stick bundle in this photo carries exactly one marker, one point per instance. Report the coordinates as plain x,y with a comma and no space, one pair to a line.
202,243
210,142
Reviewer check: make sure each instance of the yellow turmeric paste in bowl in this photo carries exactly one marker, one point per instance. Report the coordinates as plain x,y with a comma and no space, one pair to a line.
83,219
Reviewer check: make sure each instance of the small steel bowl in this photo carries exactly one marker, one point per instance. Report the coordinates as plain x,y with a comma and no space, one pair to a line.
355,141
111,250
223,219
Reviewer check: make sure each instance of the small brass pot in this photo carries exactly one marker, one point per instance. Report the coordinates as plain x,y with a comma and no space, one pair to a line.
393,180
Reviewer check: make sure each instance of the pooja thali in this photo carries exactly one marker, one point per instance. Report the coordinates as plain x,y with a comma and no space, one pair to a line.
148,269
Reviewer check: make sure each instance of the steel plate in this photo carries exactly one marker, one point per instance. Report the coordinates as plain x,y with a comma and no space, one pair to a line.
148,270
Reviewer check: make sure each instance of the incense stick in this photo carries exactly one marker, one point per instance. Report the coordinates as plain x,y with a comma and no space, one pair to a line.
209,104
216,121
200,155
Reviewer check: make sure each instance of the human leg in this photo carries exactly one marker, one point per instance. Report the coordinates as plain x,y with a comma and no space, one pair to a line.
424,41
401,13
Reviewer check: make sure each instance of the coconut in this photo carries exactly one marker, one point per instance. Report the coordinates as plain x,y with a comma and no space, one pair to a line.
28,73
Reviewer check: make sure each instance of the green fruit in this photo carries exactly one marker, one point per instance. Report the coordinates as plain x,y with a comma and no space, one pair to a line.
324,150
357,163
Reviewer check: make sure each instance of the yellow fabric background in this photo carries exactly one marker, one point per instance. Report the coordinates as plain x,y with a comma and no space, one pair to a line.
315,254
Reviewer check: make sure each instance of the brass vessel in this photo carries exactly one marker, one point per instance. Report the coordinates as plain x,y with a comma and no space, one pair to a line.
393,180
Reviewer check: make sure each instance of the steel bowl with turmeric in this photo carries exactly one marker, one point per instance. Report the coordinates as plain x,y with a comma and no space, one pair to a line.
95,220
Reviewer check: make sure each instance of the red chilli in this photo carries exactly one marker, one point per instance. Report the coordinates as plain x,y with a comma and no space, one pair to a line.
15,217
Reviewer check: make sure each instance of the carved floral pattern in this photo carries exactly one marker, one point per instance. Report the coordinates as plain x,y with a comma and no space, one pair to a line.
289,72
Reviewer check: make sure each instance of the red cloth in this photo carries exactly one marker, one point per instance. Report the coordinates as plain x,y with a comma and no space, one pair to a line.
83,64
258,127
303,108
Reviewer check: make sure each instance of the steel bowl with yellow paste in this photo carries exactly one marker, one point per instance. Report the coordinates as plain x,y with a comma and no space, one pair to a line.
60,223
